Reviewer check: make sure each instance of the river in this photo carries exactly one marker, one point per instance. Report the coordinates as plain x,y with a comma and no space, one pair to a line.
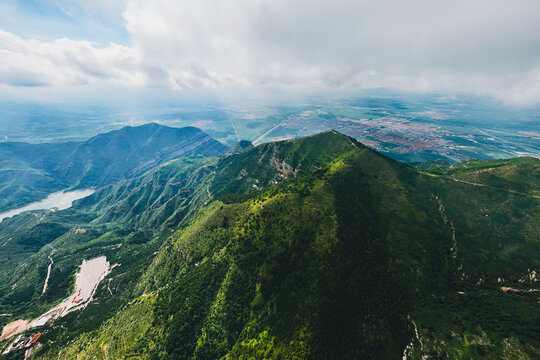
59,200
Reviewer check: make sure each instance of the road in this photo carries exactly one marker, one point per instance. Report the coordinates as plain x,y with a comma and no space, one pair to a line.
261,137
235,130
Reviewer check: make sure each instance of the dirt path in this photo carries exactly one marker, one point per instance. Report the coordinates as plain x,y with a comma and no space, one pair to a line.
493,187
109,286
48,272
510,289
4,244
410,347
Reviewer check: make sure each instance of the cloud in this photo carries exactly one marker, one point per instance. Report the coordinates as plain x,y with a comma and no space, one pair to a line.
30,62
479,46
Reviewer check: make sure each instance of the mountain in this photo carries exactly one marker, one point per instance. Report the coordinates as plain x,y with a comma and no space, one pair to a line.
174,189
32,171
164,198
241,146
315,248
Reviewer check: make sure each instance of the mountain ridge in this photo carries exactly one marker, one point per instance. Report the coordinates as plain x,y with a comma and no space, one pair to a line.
32,171
311,248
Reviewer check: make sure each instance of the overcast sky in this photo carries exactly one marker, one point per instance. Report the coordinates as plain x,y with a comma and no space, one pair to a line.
486,47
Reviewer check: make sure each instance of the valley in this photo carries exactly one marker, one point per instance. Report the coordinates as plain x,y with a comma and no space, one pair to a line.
409,127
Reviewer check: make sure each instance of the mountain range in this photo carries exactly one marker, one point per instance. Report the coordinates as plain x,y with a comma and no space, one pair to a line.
313,248
31,171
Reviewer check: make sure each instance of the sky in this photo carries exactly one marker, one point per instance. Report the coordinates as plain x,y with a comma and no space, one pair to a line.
54,48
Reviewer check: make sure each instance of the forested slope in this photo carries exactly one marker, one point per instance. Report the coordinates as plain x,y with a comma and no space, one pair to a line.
353,256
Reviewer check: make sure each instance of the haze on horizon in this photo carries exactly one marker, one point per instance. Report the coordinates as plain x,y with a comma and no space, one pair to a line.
69,49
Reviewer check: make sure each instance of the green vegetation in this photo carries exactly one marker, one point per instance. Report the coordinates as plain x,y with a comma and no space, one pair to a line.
30,172
315,248
519,175
157,199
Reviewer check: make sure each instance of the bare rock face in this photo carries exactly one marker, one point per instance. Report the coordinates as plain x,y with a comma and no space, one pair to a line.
283,167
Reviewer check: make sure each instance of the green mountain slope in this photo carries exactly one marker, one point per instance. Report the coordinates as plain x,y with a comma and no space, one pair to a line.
521,175
353,256
167,194
164,198
30,172
153,200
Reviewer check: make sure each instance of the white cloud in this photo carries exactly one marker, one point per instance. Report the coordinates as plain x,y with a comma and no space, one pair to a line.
480,46
31,62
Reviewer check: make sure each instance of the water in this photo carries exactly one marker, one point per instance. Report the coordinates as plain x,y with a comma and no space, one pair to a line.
59,200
